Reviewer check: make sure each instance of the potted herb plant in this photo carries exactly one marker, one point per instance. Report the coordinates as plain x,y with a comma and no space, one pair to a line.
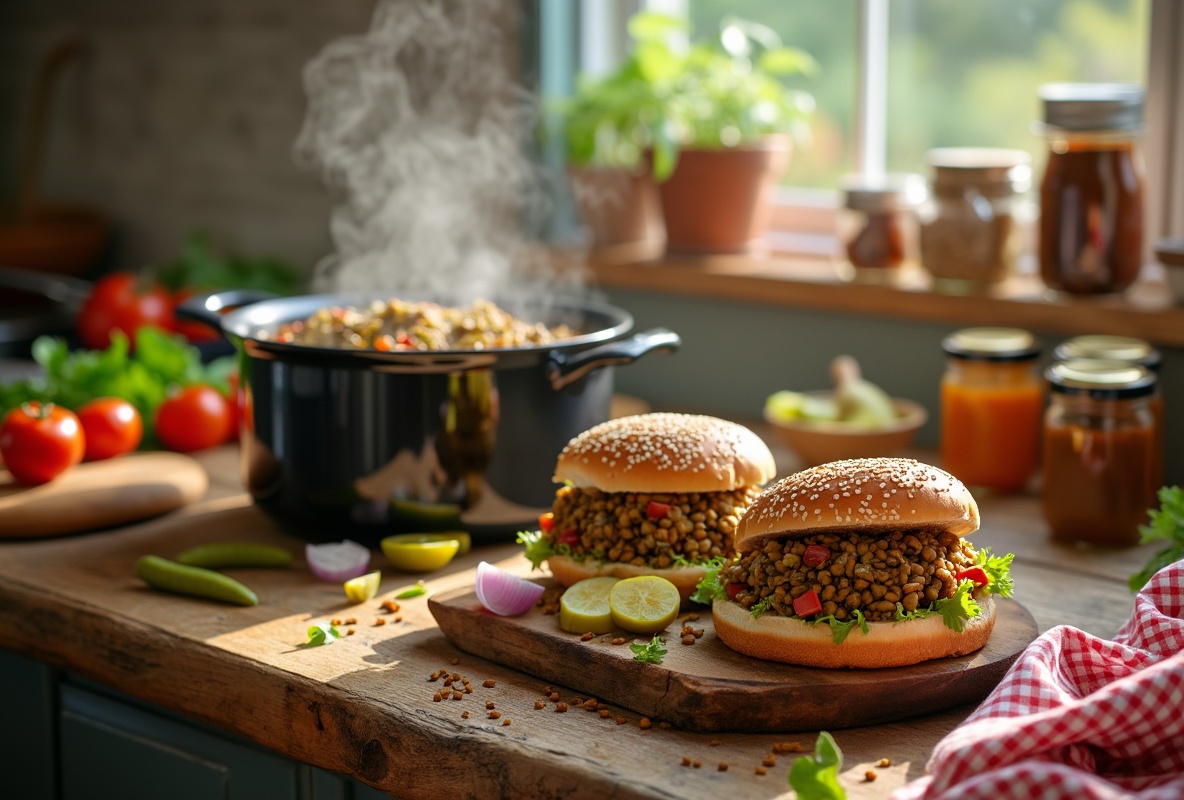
709,120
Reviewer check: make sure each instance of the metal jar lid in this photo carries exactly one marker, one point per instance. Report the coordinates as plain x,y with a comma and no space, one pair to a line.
959,167
1110,348
885,193
1093,106
1098,379
991,344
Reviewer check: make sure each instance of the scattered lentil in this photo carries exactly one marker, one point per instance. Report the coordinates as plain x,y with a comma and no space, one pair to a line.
456,661
464,715
723,766
587,637
379,621
761,771
495,715
351,620
687,639
489,683
769,760
591,704
390,606
561,707
789,747
870,775
505,721
489,705
621,720
605,713
686,761
619,640
645,723
539,704
883,762
349,631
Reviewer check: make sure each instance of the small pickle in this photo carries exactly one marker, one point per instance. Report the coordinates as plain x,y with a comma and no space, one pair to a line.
219,555
169,576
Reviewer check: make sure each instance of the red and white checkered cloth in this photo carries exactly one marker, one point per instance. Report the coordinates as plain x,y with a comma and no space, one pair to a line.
1077,716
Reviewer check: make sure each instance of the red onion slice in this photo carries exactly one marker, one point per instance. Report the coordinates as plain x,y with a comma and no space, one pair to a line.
504,594
337,561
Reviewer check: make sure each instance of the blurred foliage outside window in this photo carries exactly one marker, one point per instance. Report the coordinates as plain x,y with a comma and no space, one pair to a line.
961,72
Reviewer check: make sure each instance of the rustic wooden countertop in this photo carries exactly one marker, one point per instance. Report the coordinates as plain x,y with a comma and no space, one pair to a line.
364,706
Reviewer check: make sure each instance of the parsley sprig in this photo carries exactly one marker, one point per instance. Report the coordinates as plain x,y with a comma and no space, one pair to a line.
1167,524
816,777
652,651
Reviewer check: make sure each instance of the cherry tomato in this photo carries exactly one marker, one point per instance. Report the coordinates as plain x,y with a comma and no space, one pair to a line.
194,418
655,510
117,303
192,331
734,589
40,442
111,427
546,521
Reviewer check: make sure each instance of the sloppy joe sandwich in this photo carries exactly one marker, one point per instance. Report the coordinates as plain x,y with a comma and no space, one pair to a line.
650,494
859,563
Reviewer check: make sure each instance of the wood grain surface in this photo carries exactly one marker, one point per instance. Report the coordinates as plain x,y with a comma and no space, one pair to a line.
708,687
365,705
100,494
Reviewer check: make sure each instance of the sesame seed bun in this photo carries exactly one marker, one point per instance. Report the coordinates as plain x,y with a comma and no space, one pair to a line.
863,495
886,644
666,453
567,571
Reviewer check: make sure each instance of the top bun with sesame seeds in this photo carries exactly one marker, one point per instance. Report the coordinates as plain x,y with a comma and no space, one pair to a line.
869,494
666,453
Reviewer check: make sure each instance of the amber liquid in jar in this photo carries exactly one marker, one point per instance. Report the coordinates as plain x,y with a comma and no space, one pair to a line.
879,243
1096,475
1091,217
1099,451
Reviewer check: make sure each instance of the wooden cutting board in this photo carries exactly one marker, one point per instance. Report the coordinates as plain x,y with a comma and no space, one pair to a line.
100,494
708,687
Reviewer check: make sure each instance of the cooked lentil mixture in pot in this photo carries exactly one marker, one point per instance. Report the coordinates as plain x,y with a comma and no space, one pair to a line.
647,529
401,325
869,573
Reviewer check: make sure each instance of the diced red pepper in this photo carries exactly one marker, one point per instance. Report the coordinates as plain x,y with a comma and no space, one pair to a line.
816,555
569,537
976,574
807,604
656,510
546,522
734,589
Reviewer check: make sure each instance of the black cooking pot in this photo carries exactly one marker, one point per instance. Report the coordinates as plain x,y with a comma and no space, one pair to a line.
361,443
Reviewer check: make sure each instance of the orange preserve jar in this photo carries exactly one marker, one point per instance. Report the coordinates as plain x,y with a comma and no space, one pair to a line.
1091,195
992,401
1134,351
1098,451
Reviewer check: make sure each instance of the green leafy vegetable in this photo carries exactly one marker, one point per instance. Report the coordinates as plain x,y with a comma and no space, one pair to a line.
322,633
160,361
761,607
538,549
998,569
838,628
200,265
415,591
1166,524
905,616
816,777
652,651
710,587
959,608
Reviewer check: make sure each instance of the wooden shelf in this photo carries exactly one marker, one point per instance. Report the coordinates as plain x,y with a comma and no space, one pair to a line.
1145,311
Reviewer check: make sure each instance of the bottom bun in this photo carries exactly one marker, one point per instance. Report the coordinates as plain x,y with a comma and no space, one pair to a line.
886,644
567,571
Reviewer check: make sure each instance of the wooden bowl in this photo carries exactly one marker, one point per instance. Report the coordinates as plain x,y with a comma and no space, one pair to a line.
821,442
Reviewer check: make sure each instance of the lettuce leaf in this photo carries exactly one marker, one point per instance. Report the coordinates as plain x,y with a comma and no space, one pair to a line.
538,549
1166,524
710,587
840,629
761,607
998,569
816,777
959,608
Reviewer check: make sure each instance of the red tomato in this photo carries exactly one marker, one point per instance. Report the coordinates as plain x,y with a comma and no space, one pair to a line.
111,426
195,418
193,331
40,442
116,303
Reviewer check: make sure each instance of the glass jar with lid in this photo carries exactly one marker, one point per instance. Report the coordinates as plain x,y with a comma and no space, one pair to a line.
992,402
878,226
1098,451
1132,351
1091,194
970,232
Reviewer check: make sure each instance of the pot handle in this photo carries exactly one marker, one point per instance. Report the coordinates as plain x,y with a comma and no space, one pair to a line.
209,308
564,368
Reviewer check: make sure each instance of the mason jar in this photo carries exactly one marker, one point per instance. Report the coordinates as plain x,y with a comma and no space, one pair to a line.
970,224
1091,195
1099,451
877,226
992,400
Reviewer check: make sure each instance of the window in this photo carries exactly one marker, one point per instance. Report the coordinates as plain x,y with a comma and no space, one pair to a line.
959,72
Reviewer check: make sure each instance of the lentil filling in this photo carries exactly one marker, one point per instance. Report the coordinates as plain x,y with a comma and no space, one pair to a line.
623,527
870,573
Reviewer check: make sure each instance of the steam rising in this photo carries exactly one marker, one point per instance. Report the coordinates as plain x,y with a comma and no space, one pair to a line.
420,131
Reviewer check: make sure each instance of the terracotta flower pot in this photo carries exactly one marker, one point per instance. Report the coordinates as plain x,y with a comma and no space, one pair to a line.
718,201
618,206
